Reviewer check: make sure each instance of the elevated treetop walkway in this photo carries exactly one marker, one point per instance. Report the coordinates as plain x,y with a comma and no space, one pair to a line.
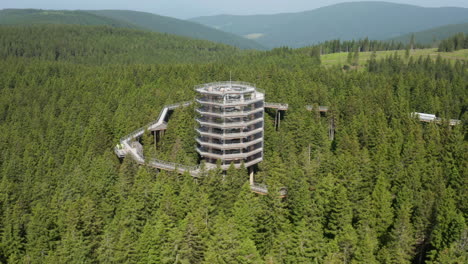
129,146
320,108
278,106
423,117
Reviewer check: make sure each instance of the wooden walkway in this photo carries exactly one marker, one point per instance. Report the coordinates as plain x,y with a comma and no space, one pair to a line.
429,118
278,106
129,145
321,108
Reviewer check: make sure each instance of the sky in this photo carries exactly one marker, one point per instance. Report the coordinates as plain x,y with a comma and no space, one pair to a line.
185,9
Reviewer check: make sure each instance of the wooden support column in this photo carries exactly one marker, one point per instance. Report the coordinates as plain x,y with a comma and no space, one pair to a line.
155,140
279,119
331,129
251,175
276,118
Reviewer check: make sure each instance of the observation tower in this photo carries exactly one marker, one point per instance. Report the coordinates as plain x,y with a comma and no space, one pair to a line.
231,124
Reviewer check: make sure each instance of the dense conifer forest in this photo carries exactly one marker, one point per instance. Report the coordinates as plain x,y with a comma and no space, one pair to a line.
387,189
97,45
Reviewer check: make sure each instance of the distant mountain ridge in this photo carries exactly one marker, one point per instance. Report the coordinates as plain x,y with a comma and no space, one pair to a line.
39,16
179,27
103,45
433,35
125,19
375,20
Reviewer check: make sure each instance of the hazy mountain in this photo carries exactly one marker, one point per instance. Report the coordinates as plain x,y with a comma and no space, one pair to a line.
433,35
178,27
376,20
126,19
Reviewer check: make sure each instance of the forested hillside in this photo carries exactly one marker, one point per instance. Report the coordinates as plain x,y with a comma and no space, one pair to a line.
456,42
433,36
387,189
124,19
106,45
37,16
179,27
345,21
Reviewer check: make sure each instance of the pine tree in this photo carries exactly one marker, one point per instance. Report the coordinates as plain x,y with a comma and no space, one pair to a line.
356,57
340,213
450,224
308,241
228,246
154,238
401,244
367,246
381,205
244,212
350,58
186,244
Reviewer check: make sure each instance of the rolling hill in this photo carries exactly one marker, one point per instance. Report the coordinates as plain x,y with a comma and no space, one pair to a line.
376,20
433,35
104,45
179,27
37,16
125,19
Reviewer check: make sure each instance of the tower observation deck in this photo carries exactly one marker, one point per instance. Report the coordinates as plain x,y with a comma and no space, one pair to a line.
230,123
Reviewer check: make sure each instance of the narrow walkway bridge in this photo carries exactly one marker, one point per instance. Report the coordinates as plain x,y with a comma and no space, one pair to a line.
278,106
129,144
263,189
320,108
423,117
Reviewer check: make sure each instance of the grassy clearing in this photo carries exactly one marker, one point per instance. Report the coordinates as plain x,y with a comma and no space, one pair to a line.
341,58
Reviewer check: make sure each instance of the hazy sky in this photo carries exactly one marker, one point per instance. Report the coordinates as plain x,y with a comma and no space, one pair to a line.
192,8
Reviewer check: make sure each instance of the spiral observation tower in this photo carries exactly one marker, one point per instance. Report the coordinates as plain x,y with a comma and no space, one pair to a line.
230,126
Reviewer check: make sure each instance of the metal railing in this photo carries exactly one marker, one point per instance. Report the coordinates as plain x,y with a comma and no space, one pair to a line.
161,117
226,84
254,161
263,189
423,117
321,108
229,146
260,188
229,135
229,125
229,114
165,109
231,102
172,166
243,155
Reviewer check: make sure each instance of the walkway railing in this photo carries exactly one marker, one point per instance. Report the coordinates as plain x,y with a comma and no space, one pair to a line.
229,125
263,189
259,188
423,117
321,108
228,135
124,147
230,102
172,166
228,145
229,114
